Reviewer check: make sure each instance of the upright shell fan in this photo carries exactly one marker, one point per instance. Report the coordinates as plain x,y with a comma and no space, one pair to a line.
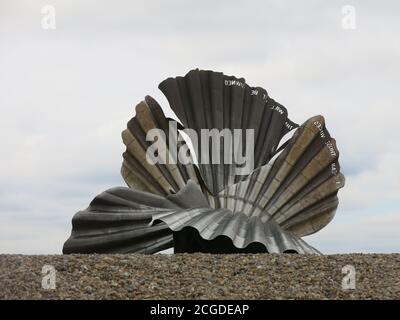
138,173
207,99
292,192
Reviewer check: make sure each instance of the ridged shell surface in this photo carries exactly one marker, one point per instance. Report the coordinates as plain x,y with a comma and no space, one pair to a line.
125,220
159,178
212,100
299,189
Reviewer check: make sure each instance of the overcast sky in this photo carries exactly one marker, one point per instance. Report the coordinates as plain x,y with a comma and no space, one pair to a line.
67,93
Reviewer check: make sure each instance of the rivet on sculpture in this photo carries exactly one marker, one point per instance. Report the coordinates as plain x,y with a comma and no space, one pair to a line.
290,193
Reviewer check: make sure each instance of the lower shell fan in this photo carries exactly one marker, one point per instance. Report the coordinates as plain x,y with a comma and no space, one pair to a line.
292,192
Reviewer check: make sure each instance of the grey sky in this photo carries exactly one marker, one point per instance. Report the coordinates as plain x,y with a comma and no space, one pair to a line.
66,95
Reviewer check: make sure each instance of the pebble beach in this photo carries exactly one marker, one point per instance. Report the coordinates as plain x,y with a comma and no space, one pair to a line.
201,276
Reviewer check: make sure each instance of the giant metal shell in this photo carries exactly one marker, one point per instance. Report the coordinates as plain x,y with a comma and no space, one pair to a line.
291,193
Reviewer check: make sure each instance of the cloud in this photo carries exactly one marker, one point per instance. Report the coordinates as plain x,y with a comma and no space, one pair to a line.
380,232
68,93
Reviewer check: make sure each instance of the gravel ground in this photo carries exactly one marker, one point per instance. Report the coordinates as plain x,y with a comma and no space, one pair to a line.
200,276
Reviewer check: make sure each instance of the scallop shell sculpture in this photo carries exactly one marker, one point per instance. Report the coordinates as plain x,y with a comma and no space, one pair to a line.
292,191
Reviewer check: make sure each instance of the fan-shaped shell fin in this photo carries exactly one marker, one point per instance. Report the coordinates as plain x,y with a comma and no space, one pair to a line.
160,178
298,190
117,221
212,100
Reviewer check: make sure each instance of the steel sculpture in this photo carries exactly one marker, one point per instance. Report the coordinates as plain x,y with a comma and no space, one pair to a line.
292,191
